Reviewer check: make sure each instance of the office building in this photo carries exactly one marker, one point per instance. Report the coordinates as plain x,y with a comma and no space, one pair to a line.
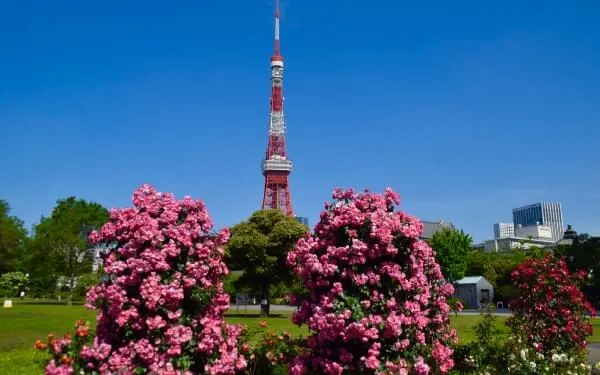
302,220
542,213
504,230
534,231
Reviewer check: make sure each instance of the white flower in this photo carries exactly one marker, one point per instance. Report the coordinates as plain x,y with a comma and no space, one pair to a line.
524,354
532,365
556,358
540,356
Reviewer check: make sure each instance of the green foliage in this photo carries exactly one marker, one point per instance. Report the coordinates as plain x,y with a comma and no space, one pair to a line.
584,254
282,292
60,246
451,247
259,247
229,284
84,282
485,354
13,237
12,283
497,267
268,351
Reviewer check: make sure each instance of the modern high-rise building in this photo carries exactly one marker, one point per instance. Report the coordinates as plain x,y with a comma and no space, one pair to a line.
504,230
542,213
302,220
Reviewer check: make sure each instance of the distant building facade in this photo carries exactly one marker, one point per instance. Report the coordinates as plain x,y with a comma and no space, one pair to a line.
513,243
302,220
534,231
504,230
431,227
542,213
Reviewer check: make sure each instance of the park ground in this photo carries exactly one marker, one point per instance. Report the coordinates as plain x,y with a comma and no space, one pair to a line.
21,325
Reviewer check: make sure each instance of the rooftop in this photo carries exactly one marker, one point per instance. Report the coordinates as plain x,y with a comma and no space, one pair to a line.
469,280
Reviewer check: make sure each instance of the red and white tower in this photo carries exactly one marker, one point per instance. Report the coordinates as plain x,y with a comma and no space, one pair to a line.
276,166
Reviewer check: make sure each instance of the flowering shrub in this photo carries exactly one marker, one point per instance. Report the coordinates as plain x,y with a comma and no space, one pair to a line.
529,360
269,353
65,351
549,327
378,299
162,310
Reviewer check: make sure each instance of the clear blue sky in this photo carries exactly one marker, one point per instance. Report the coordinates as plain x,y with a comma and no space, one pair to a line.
467,108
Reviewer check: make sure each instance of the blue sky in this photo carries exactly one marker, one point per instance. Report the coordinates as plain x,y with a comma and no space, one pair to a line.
466,108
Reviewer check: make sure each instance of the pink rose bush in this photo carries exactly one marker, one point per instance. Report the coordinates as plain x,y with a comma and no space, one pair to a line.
378,298
162,310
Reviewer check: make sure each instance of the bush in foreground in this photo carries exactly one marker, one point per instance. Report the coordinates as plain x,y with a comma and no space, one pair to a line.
161,311
549,326
378,298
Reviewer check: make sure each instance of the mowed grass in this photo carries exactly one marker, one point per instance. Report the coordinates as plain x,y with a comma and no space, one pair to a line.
21,325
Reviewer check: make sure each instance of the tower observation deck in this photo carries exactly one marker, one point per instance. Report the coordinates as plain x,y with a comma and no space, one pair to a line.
276,166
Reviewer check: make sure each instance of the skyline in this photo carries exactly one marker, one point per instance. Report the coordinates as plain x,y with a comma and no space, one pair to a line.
499,105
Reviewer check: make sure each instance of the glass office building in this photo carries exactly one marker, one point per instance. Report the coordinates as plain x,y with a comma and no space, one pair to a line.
543,213
302,220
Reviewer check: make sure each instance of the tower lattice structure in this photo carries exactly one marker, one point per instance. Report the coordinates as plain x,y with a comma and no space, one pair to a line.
276,166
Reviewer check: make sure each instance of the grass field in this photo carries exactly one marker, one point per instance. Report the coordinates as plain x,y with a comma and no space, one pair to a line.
21,325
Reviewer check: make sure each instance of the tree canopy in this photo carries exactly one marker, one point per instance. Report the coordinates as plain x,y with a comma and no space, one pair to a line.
60,246
12,239
451,247
259,247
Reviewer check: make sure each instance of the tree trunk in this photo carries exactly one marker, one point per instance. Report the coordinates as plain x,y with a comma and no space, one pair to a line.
71,287
265,306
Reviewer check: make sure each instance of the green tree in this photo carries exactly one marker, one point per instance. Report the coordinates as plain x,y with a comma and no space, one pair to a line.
584,254
259,247
13,283
12,240
497,267
60,246
451,247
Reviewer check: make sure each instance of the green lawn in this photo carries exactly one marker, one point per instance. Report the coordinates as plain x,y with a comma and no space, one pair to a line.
21,325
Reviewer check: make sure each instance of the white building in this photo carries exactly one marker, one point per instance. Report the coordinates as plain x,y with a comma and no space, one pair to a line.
534,231
504,230
513,243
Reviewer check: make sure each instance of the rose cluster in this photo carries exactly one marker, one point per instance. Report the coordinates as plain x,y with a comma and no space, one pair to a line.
377,300
161,309
549,311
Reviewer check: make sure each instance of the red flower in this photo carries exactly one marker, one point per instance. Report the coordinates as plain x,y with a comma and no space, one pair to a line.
39,345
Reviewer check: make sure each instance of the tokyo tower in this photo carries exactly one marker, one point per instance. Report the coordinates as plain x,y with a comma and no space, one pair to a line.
276,166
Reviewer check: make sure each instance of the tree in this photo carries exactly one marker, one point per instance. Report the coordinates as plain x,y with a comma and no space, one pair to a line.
12,283
451,247
60,246
259,247
584,254
12,239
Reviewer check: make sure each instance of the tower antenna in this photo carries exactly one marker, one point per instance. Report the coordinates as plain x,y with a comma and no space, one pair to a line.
276,166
